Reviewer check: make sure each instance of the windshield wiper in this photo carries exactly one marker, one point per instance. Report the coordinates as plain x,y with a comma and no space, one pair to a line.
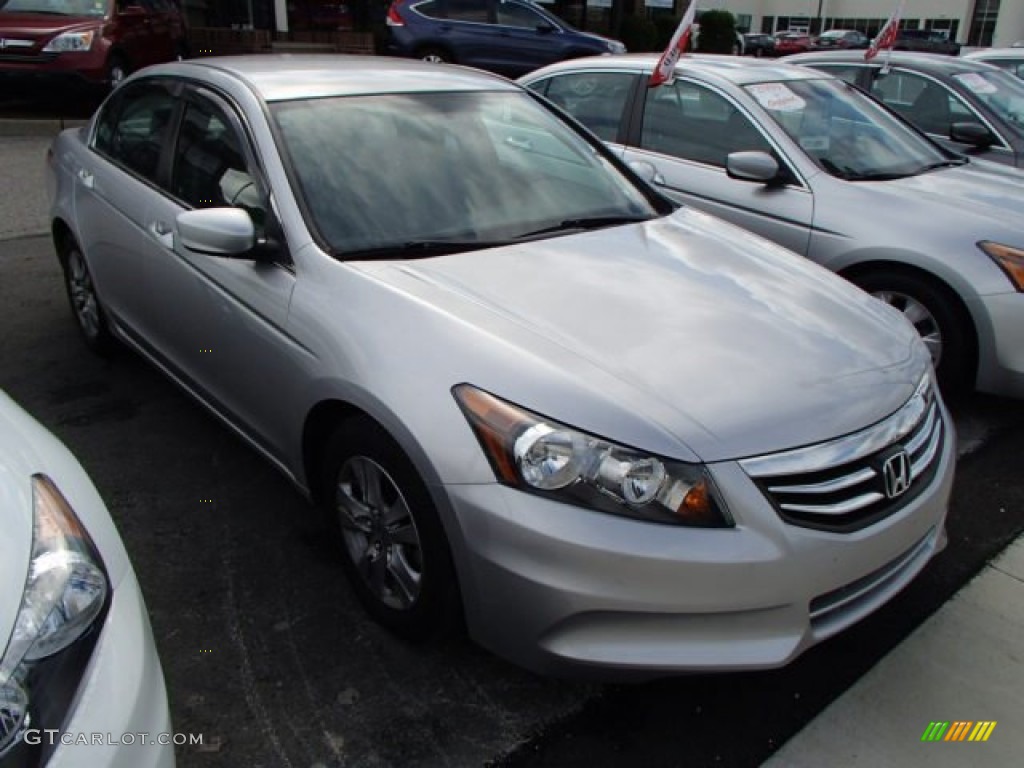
419,249
954,163
848,174
579,225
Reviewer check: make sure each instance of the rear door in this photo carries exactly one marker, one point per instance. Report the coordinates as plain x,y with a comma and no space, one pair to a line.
687,129
117,181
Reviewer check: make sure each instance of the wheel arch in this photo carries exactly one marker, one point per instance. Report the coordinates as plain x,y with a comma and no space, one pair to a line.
63,238
960,307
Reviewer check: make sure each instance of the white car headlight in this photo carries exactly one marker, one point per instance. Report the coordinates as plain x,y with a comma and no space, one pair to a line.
539,455
71,42
65,593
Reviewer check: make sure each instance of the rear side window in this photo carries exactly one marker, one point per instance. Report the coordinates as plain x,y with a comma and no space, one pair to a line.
596,99
929,105
456,10
133,129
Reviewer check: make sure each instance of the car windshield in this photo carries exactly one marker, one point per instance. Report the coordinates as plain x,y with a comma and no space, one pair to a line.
999,91
844,132
420,174
56,7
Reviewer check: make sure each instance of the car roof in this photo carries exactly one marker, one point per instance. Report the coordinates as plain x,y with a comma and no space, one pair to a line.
996,53
282,77
740,70
932,63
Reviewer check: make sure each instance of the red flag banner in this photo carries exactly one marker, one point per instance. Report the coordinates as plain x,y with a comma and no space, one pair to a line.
886,37
667,63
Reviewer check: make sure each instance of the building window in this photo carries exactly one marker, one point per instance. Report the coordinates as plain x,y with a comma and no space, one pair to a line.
983,22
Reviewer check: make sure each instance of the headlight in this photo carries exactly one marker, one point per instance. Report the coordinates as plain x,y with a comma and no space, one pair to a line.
71,42
64,596
1009,259
539,455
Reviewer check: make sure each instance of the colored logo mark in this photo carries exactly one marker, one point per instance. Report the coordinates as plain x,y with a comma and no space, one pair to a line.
959,730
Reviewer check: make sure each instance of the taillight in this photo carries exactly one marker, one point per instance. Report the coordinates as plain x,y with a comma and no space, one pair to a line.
394,18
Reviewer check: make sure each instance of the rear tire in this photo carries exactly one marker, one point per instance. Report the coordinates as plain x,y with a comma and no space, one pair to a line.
393,547
85,304
435,55
938,317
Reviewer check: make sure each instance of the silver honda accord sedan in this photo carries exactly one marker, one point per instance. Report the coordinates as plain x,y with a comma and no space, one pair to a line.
616,436
817,166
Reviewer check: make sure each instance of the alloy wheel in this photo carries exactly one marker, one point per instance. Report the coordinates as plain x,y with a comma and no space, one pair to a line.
379,532
83,295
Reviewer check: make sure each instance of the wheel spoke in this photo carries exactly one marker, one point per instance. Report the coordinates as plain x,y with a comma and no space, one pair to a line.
404,533
378,573
405,578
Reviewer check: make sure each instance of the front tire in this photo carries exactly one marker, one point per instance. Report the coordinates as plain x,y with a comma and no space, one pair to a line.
393,547
85,304
117,71
936,314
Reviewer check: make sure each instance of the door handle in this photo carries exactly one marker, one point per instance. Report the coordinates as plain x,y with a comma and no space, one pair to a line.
163,234
86,177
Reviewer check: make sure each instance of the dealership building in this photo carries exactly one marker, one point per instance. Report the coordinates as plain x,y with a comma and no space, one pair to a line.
969,22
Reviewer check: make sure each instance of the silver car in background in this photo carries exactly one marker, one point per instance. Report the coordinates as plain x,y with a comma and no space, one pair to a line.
80,681
812,163
617,437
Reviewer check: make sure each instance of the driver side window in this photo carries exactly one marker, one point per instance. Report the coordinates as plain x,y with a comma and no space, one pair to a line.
209,168
691,122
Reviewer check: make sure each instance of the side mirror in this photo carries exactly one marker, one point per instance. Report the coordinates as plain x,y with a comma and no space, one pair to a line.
545,28
752,166
647,171
217,231
975,134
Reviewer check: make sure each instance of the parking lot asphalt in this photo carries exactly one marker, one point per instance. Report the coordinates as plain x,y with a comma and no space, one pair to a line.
268,655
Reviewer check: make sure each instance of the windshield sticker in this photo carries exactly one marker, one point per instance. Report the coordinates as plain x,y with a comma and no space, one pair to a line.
975,82
777,97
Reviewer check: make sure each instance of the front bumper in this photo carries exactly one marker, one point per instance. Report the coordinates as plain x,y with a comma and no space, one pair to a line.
563,590
1001,343
121,697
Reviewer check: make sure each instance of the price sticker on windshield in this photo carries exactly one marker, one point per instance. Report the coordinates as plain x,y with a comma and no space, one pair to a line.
975,82
777,97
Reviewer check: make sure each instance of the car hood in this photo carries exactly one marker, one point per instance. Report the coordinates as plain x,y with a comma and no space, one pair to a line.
990,192
16,468
35,25
735,346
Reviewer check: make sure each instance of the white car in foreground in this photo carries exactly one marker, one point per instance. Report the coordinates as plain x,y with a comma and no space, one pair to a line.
80,681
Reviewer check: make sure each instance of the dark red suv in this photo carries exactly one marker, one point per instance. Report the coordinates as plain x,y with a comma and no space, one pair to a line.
95,42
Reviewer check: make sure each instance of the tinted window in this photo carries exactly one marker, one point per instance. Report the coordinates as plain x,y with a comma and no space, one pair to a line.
516,15
133,129
209,167
693,123
466,10
929,105
596,99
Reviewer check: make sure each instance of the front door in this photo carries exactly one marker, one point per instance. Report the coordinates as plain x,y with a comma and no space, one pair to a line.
687,131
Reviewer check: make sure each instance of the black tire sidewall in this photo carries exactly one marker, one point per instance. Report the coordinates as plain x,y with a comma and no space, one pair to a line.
103,342
435,609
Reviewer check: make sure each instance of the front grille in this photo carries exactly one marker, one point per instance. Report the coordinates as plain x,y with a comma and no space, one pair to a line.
844,485
27,58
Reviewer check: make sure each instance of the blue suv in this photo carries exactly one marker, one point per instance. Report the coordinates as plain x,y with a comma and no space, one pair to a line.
511,37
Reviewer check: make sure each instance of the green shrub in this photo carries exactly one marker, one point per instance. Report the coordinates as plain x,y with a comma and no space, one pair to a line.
717,32
639,34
